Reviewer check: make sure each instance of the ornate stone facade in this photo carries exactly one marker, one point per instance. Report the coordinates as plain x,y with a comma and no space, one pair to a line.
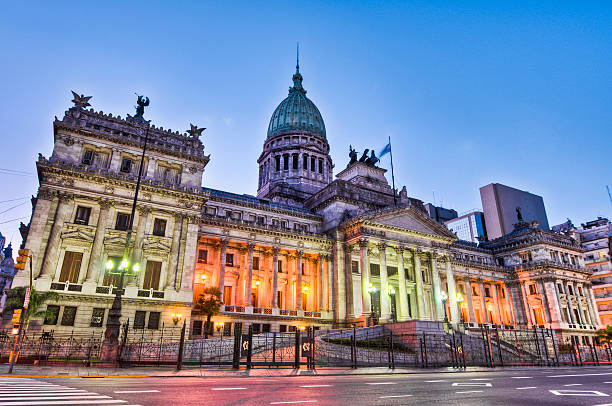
308,251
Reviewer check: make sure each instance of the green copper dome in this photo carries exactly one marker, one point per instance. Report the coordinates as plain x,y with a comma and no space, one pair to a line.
297,113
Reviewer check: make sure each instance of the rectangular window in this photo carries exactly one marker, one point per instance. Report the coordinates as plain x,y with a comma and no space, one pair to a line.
197,328
256,263
313,163
487,292
261,220
97,317
355,266
374,269
474,291
71,267
279,299
294,161
123,221
277,163
82,215
203,256
52,315
532,289
229,259
280,266
227,295
88,157
159,227
305,162
153,323
68,316
139,319
126,165
320,166
152,274
285,162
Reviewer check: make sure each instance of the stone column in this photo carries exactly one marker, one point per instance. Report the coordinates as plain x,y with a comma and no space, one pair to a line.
527,312
593,305
580,309
249,281
174,250
365,277
348,281
437,288
322,291
331,285
180,274
143,213
452,292
484,301
498,311
420,289
385,302
510,305
298,284
275,277
190,256
550,290
570,307
562,316
340,283
95,264
64,208
401,279
545,303
222,256
470,301
265,300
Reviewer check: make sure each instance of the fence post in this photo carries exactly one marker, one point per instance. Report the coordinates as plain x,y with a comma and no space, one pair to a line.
462,350
499,348
354,349
552,336
250,347
297,349
312,350
545,345
274,347
425,349
179,361
237,345
535,334
392,353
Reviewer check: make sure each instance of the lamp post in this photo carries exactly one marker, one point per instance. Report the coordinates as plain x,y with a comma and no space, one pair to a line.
391,293
110,345
444,298
371,291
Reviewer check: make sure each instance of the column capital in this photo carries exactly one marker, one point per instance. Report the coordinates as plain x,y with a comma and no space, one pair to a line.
65,197
105,204
299,253
143,210
251,246
275,250
45,194
399,250
363,243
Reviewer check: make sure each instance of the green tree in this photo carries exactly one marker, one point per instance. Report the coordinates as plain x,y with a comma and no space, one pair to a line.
605,335
209,303
16,296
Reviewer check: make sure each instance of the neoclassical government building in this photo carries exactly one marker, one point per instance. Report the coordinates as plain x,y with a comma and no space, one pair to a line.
311,249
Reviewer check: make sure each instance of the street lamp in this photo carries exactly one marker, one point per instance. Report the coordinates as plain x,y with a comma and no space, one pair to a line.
444,298
176,317
110,345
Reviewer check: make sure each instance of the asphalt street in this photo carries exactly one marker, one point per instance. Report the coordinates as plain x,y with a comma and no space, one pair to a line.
580,386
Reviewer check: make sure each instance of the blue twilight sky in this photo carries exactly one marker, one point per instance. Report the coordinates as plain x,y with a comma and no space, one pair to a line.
470,92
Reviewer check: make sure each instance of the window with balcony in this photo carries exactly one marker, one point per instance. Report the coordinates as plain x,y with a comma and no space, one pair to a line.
71,267
203,256
525,256
88,157
229,259
123,221
532,289
82,215
159,227
152,275
256,263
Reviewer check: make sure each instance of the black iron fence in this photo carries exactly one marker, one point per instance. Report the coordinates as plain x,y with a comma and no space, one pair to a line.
380,346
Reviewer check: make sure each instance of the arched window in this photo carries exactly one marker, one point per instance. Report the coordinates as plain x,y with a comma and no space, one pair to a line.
295,161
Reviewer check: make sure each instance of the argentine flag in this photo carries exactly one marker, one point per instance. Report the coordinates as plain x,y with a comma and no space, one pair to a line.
386,149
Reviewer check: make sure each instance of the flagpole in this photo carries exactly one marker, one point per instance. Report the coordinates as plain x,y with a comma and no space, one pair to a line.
392,174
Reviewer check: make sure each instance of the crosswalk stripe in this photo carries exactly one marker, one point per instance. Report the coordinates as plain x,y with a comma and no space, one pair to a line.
81,393
65,402
57,397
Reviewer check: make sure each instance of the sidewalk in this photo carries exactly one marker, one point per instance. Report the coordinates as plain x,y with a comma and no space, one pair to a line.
59,371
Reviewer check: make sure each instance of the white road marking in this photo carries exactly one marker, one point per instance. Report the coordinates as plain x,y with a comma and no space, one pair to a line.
295,401
438,380
470,391
314,386
573,384
607,382
227,388
394,396
564,376
528,387
381,383
38,393
520,377
487,384
574,392
136,391
57,397
480,379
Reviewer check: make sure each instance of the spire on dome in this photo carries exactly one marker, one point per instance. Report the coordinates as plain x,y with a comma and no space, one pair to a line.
297,77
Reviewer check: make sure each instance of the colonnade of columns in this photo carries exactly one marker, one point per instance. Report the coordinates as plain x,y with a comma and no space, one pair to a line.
283,280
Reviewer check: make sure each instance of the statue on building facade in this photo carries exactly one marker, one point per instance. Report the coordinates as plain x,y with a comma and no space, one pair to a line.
142,103
372,160
195,132
519,215
364,156
81,101
352,155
